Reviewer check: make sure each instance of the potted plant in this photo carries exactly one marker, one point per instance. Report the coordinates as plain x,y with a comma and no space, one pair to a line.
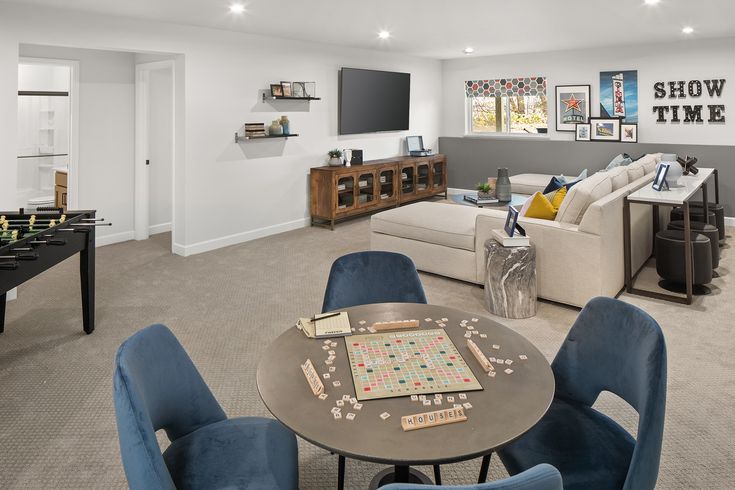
485,190
335,158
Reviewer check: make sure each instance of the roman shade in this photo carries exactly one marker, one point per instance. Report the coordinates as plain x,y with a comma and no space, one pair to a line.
501,87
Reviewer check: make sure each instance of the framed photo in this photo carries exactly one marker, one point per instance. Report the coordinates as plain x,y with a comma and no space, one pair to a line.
299,89
629,133
659,182
511,222
276,90
604,129
619,95
572,106
582,132
286,86
309,89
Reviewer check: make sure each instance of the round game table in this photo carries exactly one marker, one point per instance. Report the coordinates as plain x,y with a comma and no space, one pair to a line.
507,407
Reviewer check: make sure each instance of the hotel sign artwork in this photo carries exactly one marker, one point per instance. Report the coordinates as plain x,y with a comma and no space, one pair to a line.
689,113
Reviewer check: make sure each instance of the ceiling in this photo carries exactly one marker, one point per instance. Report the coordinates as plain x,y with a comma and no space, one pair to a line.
441,28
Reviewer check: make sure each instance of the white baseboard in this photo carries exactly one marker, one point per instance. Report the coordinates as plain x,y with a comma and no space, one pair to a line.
101,241
226,241
729,221
162,228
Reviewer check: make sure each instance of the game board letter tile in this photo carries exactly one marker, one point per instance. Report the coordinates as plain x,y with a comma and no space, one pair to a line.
384,415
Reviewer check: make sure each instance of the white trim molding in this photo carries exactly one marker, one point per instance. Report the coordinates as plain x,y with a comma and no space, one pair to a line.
226,241
162,228
101,241
729,221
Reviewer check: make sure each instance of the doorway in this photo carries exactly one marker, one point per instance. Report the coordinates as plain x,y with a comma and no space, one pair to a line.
48,141
154,149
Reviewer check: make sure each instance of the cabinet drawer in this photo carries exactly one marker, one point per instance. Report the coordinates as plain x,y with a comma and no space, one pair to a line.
60,178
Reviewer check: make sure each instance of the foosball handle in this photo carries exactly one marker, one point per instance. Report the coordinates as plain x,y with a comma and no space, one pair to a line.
27,256
56,241
8,266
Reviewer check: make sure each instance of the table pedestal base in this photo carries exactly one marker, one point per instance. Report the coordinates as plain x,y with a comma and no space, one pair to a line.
398,474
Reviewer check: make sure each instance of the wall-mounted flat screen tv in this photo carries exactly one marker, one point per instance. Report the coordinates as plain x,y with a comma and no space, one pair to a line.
372,101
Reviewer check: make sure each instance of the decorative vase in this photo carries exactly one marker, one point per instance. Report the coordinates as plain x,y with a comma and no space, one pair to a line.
275,128
674,173
286,125
335,162
502,187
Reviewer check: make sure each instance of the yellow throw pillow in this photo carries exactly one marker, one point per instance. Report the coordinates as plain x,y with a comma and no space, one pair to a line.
538,206
558,198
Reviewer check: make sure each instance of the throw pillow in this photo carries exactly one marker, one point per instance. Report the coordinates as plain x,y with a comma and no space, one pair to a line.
619,161
558,198
537,206
558,182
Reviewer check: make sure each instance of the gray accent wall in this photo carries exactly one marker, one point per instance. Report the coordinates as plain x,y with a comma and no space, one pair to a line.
471,160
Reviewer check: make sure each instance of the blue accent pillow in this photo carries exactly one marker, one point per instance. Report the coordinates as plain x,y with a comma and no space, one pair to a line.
619,161
557,183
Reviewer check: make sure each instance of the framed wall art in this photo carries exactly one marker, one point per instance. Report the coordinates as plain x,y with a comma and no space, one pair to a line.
582,132
619,95
572,106
629,133
604,129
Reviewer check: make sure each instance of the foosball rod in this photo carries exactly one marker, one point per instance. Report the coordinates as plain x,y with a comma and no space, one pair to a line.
90,224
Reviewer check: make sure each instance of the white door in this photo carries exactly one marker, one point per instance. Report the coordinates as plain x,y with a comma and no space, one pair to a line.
154,148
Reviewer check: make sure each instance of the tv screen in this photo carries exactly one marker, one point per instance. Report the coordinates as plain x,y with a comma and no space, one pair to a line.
372,101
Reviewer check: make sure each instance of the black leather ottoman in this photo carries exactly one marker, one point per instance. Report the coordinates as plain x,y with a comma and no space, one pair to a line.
719,211
695,214
705,229
670,257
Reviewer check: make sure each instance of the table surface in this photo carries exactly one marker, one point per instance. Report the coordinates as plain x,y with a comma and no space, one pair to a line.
688,186
506,408
517,200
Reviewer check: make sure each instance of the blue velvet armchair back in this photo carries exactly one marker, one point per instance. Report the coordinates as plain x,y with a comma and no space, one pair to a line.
156,386
372,277
614,346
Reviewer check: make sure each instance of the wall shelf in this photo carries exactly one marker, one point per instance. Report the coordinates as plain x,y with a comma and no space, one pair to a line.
239,139
281,97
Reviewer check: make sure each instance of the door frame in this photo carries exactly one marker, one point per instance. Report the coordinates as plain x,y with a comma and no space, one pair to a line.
73,175
142,119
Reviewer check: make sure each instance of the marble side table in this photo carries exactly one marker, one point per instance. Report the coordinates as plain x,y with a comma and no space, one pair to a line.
510,284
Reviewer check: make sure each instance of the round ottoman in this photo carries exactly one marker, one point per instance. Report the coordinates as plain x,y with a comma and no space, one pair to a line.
695,214
719,211
510,284
705,229
670,257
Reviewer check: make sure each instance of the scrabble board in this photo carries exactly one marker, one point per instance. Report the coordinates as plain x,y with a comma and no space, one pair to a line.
388,365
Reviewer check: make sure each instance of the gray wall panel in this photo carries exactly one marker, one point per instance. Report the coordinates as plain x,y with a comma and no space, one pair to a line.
471,160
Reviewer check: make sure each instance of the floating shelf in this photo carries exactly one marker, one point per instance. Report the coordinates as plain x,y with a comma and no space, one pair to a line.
281,97
239,138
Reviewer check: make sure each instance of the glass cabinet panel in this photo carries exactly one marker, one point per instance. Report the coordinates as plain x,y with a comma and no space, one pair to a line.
407,174
345,192
386,184
438,177
366,186
422,177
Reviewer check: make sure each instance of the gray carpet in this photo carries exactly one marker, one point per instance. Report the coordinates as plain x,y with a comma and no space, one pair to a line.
57,427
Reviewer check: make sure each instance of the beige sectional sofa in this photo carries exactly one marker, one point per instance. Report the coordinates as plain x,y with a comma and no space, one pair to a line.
578,256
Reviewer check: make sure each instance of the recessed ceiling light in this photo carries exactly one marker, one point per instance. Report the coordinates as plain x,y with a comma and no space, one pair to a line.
651,2
469,50
237,8
687,30
384,34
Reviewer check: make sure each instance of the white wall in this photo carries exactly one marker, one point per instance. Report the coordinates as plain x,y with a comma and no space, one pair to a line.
705,59
246,190
106,128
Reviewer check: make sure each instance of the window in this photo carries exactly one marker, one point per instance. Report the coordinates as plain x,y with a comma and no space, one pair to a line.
507,105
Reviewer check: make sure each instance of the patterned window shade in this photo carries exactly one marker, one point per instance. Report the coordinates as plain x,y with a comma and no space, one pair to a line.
500,87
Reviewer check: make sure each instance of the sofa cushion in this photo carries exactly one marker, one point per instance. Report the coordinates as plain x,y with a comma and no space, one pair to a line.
649,162
618,177
635,170
621,160
529,183
451,225
582,195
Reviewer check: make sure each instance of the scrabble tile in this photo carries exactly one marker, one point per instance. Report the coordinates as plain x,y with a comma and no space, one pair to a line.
326,375
491,373
457,405
353,400
523,357
427,319
445,319
350,416
337,415
450,399
323,396
483,335
509,361
332,369
333,345
468,335
384,415
331,353
437,401
357,406
336,384
325,347
335,410
496,346
462,396
509,371
475,320
362,329
340,403
328,362
467,405
345,398
414,398
328,341
427,403
362,322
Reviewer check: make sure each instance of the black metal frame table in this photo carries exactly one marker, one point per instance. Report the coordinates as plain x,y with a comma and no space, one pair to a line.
688,187
507,407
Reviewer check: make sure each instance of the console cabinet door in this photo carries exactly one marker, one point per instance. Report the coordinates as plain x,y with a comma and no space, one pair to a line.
345,189
387,185
438,175
408,180
366,186
423,177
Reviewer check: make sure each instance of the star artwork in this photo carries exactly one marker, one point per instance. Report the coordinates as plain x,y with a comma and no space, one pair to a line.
572,103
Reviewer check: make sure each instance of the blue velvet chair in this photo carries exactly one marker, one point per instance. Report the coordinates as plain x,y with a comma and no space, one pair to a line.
372,277
156,386
540,477
616,347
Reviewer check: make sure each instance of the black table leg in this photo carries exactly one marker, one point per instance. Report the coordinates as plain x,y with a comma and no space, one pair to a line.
705,202
3,298
340,472
626,247
688,251
717,187
656,225
437,474
484,467
401,474
86,273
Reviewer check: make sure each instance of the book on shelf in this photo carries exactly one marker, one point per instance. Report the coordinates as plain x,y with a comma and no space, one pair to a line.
382,179
363,183
384,196
515,241
341,187
477,200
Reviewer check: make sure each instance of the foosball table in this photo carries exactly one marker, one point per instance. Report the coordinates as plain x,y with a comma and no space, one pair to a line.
33,243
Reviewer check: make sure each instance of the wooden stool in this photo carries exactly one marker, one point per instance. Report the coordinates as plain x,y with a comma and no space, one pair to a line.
510,284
